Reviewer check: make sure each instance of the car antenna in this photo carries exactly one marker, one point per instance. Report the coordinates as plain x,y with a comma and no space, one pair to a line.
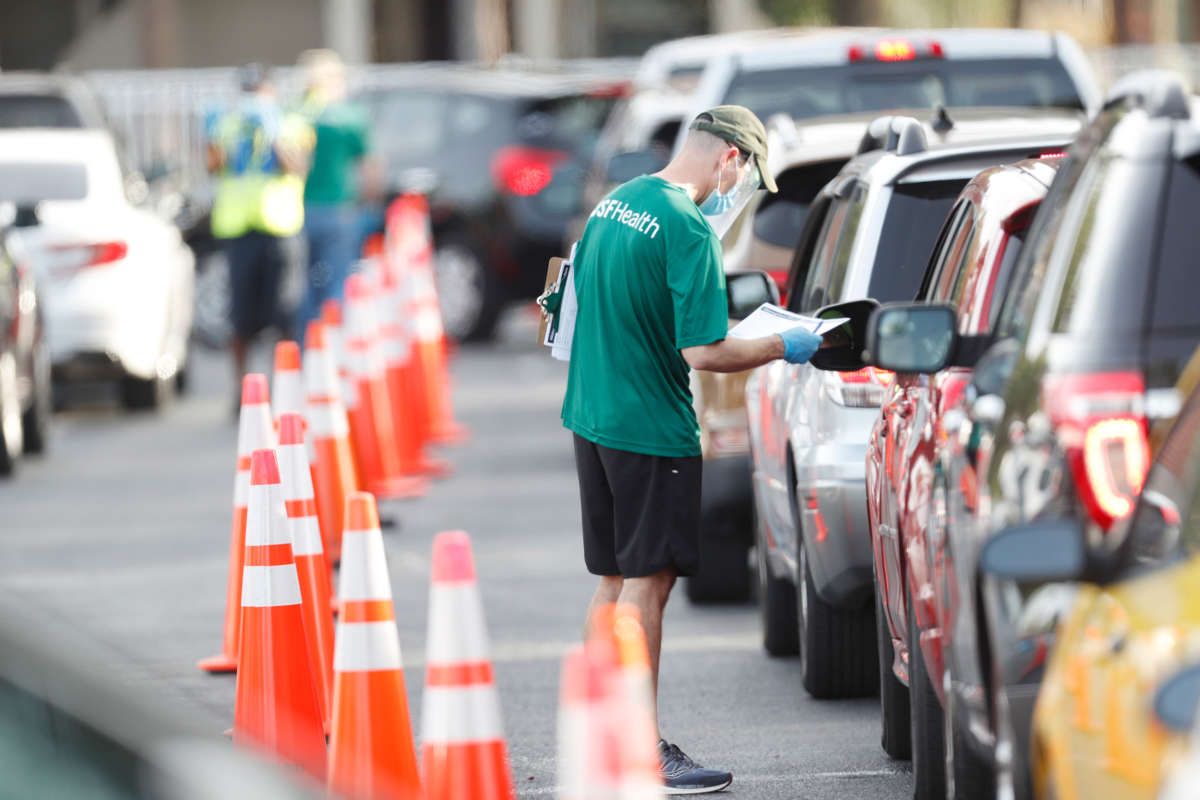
941,120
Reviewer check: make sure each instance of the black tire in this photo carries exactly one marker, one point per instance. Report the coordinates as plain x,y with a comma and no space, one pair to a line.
468,291
837,645
968,775
928,739
182,384
894,714
35,422
8,461
776,608
138,394
724,573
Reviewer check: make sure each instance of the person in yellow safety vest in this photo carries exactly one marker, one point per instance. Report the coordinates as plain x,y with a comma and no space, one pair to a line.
258,155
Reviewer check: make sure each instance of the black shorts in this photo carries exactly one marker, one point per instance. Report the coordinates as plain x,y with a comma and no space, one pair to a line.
641,514
256,262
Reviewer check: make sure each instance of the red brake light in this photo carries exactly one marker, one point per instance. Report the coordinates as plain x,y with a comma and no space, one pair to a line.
894,50
89,255
855,53
935,49
1052,154
1103,429
525,171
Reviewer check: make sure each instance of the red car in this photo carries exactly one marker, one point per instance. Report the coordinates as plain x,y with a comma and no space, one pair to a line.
971,265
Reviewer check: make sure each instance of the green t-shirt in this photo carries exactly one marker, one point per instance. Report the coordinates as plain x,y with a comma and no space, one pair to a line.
341,142
649,282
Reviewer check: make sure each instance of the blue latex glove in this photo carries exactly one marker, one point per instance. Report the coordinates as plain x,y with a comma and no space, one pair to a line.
799,344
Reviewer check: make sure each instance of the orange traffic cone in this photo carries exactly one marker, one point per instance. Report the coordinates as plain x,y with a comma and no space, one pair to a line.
371,419
287,389
462,741
254,432
276,707
371,751
334,475
404,389
431,335
589,760
617,635
331,316
309,554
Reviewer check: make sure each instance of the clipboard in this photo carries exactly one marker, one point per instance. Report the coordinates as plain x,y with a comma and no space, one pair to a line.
550,300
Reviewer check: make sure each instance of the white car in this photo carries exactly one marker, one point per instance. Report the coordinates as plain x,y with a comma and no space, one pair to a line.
116,279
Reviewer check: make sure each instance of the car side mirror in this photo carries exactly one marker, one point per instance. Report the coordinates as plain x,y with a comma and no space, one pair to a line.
845,353
746,291
1041,551
626,166
912,337
1176,700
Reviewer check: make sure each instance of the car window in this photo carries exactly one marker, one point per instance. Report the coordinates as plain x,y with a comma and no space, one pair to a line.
1176,287
941,252
780,216
44,752
572,123
840,263
1013,245
37,111
808,244
814,294
914,217
944,289
806,91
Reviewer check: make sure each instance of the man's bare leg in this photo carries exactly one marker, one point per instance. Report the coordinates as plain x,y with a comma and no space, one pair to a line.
649,595
607,591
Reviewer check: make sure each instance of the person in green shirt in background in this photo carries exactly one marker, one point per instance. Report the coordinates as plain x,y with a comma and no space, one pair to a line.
342,172
650,288
257,155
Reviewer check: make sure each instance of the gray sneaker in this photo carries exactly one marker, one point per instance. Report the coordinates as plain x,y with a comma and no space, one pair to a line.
682,775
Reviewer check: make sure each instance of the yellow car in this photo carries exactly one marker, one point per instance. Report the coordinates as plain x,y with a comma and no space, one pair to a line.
1135,623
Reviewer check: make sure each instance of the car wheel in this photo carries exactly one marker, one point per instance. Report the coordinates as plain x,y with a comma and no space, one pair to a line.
777,608
724,572
928,741
467,291
10,415
967,774
837,645
139,394
895,734
211,325
35,422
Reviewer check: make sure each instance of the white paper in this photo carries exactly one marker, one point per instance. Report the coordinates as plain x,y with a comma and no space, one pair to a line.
560,349
768,319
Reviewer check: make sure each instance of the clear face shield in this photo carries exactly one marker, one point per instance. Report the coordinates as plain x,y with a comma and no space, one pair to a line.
724,205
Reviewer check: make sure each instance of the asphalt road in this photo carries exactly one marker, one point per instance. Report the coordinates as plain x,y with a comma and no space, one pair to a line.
121,532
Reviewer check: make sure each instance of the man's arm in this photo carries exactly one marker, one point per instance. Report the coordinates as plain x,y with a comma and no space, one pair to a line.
734,355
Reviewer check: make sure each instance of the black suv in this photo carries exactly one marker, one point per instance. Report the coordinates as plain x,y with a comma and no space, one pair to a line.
488,145
1097,341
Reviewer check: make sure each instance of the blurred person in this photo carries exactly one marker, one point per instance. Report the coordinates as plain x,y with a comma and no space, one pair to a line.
258,156
341,173
650,288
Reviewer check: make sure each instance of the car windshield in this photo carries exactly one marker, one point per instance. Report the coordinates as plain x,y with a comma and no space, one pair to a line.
801,91
37,111
780,217
910,230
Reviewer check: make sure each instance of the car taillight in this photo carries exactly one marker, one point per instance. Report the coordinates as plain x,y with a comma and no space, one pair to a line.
69,257
525,171
1102,426
895,50
728,432
780,277
863,388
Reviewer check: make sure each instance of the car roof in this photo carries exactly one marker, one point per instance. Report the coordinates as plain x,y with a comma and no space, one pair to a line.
693,52
72,88
500,81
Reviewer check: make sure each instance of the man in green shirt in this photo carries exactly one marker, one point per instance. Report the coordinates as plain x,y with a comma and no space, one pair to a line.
650,288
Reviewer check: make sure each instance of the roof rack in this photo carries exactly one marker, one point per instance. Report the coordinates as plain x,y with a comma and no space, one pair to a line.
894,134
1158,92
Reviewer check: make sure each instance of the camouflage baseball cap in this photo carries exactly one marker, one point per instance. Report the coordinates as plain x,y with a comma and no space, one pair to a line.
740,127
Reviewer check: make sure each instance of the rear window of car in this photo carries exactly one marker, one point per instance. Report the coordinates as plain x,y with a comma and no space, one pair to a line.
37,111
780,217
1177,292
910,230
873,86
572,123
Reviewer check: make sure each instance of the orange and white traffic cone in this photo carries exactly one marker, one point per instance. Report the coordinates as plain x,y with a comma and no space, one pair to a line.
618,637
334,473
254,432
371,750
589,759
403,381
309,554
462,740
431,345
371,420
287,385
276,707
334,321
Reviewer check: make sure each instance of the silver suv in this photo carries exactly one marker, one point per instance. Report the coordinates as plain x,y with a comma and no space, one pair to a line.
868,234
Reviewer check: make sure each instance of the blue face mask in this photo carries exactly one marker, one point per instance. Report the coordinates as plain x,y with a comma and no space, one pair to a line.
718,202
